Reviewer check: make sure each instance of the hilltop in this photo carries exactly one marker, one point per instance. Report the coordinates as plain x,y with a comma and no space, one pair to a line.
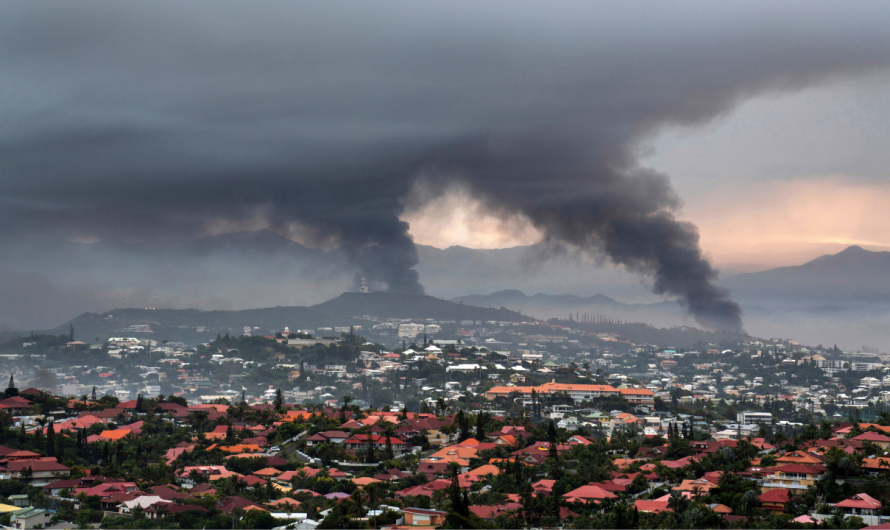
400,305
194,325
852,275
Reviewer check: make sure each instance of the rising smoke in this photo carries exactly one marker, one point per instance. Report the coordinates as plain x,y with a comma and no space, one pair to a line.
156,121
617,210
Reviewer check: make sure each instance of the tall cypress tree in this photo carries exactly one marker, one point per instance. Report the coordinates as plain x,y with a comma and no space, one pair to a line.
60,447
454,492
480,425
51,439
389,452
370,456
279,400
551,436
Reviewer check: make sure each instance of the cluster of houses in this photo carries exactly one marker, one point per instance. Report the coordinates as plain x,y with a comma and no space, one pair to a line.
782,481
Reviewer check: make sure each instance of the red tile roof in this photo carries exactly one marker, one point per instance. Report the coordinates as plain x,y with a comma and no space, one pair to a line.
860,500
777,495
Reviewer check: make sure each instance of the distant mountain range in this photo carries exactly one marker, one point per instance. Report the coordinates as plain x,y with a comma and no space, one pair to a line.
510,297
51,280
854,275
662,314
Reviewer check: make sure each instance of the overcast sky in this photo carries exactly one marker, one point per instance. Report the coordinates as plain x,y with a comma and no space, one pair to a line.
482,124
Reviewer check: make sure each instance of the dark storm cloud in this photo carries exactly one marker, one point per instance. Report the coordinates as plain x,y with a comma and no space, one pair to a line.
141,121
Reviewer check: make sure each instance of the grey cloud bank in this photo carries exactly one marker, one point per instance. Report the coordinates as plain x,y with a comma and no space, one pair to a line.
154,121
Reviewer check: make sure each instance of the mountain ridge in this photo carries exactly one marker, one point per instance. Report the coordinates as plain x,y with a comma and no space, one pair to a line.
853,275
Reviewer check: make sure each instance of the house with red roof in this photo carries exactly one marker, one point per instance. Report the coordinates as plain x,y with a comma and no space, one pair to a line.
204,472
392,475
644,506
109,489
510,430
763,445
862,505
427,489
681,463
878,439
490,512
336,437
849,446
54,489
42,471
168,510
21,454
793,476
700,484
589,493
421,517
505,439
203,489
360,442
230,503
253,481
579,440
168,493
775,499
543,488
799,457
15,404
433,469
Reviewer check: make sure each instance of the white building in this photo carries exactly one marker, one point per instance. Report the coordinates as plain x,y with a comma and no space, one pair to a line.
758,418
464,368
870,382
410,331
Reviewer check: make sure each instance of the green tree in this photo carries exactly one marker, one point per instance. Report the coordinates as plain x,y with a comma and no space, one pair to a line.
51,439
279,400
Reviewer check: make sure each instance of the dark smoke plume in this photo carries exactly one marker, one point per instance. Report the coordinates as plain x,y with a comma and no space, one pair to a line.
148,121
623,213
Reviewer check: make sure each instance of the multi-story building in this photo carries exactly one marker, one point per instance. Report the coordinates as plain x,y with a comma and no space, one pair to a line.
759,418
870,382
793,477
576,392
637,396
410,331
34,472
836,365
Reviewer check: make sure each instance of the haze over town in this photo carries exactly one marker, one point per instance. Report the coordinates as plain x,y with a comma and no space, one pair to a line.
444,265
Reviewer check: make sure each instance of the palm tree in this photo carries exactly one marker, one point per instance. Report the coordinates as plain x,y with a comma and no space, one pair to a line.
677,501
347,399
663,472
357,498
373,490
609,467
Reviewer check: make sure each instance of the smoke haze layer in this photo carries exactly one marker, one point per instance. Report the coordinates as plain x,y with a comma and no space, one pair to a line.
155,121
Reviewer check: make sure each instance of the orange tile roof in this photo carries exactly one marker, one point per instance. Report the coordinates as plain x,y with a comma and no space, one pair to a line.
455,451
268,472
485,469
636,391
116,434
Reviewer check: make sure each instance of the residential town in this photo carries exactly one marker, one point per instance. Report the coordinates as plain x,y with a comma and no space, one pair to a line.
509,425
